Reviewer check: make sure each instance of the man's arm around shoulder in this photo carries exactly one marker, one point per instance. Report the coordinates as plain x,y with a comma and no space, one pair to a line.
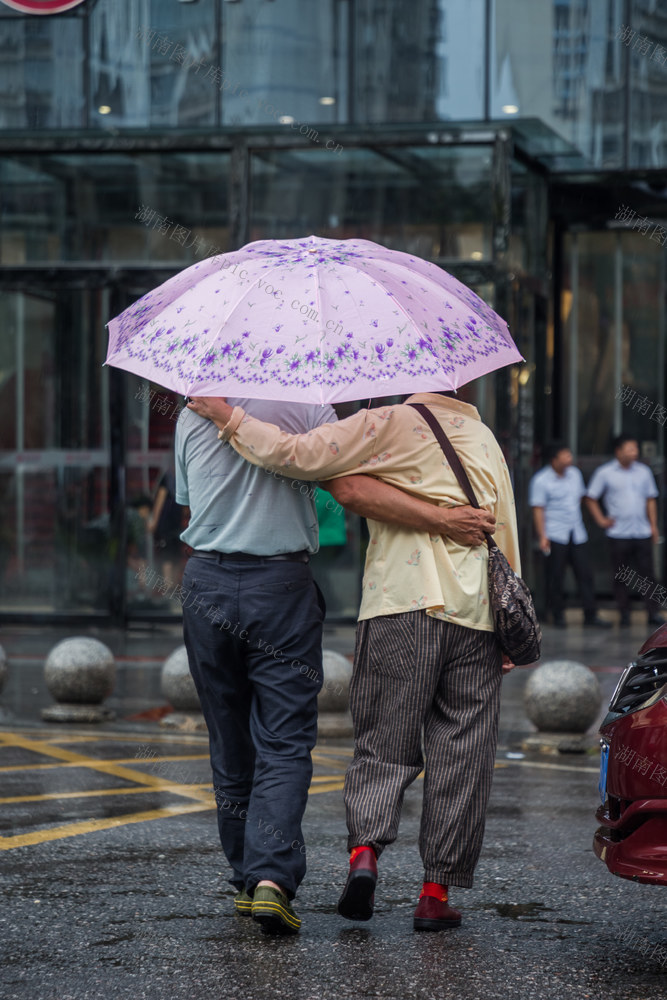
370,497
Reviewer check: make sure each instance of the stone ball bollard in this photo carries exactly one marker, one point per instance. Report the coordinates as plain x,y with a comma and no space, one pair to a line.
79,673
179,689
4,668
335,693
176,682
562,696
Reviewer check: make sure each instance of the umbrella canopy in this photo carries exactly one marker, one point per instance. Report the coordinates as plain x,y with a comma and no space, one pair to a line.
310,320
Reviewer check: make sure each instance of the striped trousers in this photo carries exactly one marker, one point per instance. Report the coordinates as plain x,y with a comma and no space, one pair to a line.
419,682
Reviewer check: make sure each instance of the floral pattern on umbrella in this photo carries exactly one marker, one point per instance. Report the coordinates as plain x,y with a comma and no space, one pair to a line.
311,320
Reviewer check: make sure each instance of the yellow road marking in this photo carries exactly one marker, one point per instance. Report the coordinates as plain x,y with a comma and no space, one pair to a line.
99,760
93,825
80,736
325,758
332,784
161,757
333,787
105,767
36,767
331,781
100,766
96,792
143,783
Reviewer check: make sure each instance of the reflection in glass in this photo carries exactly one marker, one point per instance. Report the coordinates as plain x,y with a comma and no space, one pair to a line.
612,349
432,201
280,65
647,59
41,72
152,63
562,63
643,291
459,51
528,237
155,555
113,206
593,300
397,53
54,551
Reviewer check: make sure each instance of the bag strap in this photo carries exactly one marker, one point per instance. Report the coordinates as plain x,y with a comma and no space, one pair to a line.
452,458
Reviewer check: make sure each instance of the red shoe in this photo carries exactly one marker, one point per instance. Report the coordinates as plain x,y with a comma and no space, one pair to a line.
356,902
432,915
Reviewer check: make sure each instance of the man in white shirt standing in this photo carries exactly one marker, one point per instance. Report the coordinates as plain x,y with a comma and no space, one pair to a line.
555,495
631,523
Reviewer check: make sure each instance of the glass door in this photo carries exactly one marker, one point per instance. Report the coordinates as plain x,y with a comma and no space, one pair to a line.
83,451
613,377
149,557
54,455
527,317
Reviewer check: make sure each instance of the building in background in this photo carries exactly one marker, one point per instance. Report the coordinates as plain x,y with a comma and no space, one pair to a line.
519,145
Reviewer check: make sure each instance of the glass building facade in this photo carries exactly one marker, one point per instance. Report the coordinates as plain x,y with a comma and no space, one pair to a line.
519,146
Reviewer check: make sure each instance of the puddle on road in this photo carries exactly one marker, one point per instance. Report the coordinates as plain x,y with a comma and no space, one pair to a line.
520,911
527,912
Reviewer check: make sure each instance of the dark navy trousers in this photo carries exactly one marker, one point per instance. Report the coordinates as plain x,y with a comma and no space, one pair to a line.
253,632
578,555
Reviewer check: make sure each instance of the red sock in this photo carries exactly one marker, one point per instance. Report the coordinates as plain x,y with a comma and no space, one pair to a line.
435,889
356,851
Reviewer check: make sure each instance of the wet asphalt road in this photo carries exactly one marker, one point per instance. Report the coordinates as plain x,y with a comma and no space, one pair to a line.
141,909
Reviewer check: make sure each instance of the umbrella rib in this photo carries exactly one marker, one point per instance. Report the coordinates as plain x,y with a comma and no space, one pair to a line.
319,315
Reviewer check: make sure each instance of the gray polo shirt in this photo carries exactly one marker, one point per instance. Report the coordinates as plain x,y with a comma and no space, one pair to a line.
238,507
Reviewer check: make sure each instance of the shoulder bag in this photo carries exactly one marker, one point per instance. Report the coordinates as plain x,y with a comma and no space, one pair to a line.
512,608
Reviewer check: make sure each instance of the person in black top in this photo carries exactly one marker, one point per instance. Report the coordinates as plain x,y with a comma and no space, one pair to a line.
164,524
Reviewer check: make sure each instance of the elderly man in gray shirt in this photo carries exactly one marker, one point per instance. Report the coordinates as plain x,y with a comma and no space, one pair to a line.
252,620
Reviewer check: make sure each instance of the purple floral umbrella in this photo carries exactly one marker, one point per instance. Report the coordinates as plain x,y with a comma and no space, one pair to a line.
310,320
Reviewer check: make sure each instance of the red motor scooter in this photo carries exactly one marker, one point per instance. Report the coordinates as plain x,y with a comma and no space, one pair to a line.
632,840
